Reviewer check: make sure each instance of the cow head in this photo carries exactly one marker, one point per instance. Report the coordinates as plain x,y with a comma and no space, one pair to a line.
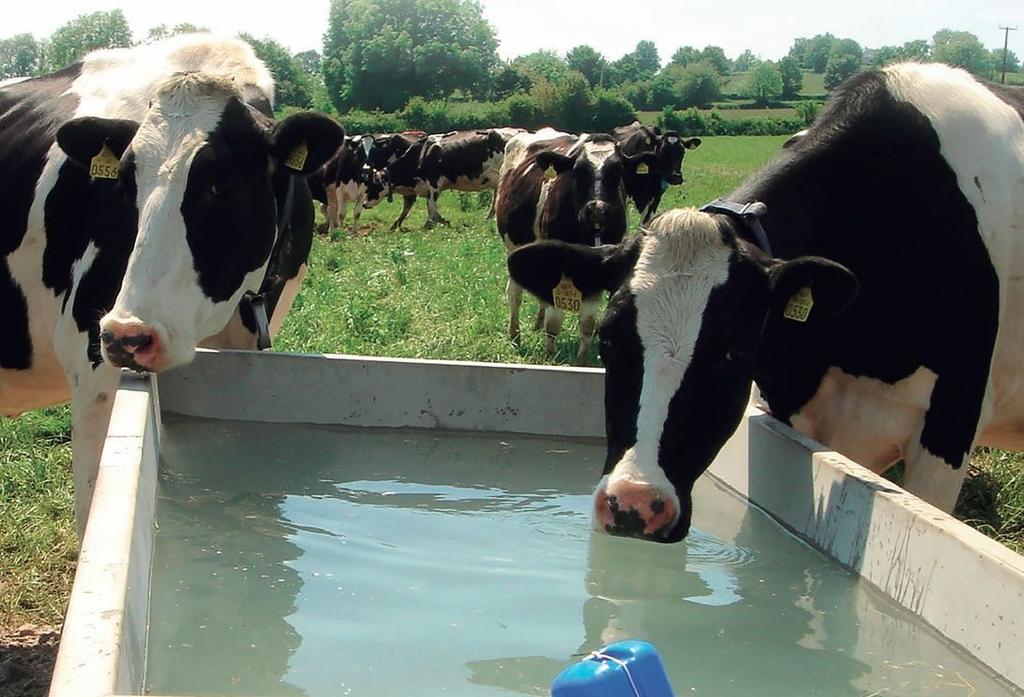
202,168
589,180
679,342
670,149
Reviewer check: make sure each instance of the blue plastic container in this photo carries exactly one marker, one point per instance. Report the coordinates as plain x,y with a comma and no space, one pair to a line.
630,668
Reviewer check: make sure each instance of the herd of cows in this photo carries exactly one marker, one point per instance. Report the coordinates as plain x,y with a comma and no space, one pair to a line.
868,280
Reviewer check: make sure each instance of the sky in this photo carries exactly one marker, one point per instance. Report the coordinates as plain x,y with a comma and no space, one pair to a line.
766,27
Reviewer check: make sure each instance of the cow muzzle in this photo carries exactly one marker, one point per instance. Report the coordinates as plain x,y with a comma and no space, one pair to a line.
596,214
675,178
132,344
632,509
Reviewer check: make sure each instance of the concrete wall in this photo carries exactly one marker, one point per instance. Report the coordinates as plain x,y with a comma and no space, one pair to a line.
103,644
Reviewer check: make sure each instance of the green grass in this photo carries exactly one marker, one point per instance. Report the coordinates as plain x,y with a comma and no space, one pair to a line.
813,85
37,533
414,293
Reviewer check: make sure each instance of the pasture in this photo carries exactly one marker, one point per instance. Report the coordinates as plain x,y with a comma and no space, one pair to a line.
411,293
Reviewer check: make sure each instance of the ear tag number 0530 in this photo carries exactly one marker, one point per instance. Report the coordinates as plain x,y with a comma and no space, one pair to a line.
799,306
566,296
297,159
104,165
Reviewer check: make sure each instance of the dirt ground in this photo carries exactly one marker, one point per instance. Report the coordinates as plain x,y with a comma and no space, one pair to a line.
26,660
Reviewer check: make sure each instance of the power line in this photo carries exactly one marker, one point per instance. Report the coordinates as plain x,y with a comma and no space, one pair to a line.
1006,42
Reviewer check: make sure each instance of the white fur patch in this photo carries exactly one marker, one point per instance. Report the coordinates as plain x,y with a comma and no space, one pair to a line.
682,261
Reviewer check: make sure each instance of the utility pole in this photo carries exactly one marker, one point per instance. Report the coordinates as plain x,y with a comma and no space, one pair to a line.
1006,43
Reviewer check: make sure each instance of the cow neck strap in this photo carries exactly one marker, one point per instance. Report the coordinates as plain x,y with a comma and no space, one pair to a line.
749,214
258,301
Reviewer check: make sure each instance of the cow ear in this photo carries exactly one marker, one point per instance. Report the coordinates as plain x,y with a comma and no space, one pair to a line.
558,161
811,289
303,142
540,266
83,138
691,143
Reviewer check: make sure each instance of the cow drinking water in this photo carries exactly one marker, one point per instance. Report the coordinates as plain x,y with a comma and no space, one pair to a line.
873,299
147,192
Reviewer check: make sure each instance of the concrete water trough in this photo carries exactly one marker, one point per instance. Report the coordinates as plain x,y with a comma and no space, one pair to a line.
966,587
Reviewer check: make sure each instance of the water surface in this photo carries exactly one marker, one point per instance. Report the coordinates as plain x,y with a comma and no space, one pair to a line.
301,560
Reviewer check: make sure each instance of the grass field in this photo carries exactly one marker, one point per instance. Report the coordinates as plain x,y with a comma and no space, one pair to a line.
414,293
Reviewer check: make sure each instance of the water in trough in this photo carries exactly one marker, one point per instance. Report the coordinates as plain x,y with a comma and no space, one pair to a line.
302,560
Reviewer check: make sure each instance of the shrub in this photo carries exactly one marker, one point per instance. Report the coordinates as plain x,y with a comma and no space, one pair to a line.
610,109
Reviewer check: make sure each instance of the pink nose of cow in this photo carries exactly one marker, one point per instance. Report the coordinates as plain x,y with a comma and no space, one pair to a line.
131,345
635,510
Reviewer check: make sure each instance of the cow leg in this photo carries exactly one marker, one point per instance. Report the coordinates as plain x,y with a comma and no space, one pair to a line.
553,318
588,325
514,293
538,322
92,399
407,204
357,211
342,211
959,409
332,206
433,215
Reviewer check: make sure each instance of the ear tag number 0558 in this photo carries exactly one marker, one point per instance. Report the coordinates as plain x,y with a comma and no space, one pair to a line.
104,165
799,306
297,159
566,296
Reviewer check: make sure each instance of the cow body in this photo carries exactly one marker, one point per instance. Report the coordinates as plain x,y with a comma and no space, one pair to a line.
144,199
879,311
567,188
385,149
460,160
645,189
347,178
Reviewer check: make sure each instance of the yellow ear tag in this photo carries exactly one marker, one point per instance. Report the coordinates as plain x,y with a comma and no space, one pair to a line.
642,168
104,165
566,296
297,159
799,306
550,172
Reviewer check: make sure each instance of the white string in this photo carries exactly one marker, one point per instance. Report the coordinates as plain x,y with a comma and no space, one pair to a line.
622,664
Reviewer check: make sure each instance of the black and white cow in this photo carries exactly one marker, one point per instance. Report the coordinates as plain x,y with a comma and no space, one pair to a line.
346,178
562,187
460,160
645,188
877,302
385,149
143,194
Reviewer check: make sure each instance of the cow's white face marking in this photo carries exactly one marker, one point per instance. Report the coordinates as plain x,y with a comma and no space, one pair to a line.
161,286
683,260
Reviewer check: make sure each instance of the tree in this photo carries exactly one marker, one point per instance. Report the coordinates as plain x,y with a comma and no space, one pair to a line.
639,64
309,60
765,83
843,61
685,55
961,49
292,84
792,77
813,53
20,56
1012,62
588,61
379,53
746,60
508,80
542,65
699,84
885,55
917,50
715,55
161,31
87,33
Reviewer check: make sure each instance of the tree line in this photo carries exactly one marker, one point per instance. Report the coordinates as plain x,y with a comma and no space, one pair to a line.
425,62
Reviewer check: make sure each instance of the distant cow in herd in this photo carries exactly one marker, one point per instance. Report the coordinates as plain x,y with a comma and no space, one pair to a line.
867,280
557,186
346,178
148,194
646,187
